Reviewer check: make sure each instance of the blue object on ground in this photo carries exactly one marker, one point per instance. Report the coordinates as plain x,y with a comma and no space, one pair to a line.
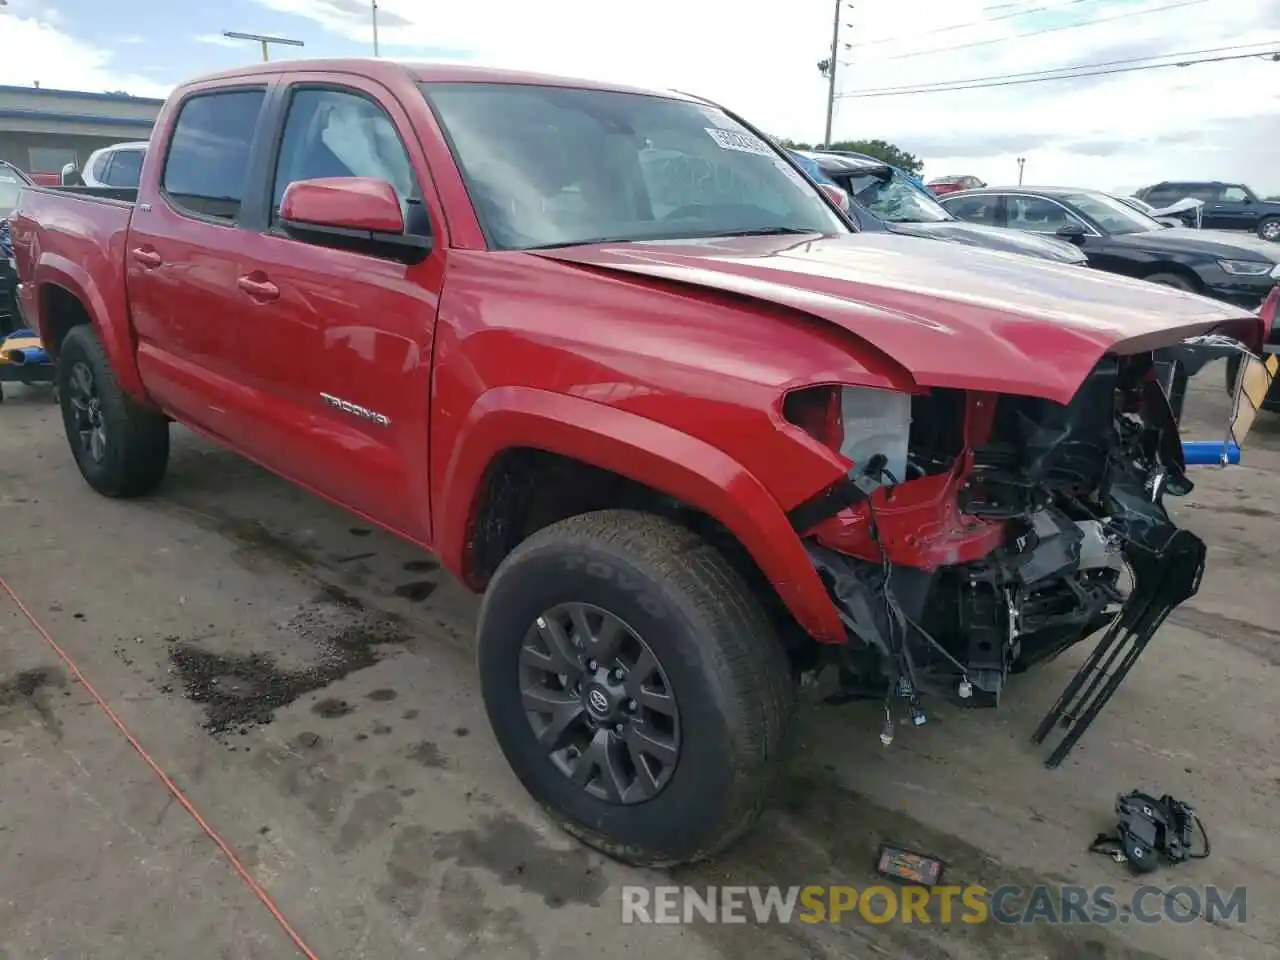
1208,453
28,356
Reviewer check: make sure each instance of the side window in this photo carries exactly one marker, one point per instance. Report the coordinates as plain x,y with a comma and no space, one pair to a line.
974,209
1037,215
207,168
1201,191
332,133
1234,195
125,169
99,169
1162,196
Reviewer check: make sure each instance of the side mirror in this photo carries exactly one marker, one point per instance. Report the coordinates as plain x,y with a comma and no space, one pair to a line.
836,195
354,213
1072,232
70,176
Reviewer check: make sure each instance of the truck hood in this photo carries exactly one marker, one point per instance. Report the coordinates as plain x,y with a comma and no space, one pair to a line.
994,238
1214,243
949,315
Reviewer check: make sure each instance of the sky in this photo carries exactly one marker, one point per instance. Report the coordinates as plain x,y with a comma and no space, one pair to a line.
760,57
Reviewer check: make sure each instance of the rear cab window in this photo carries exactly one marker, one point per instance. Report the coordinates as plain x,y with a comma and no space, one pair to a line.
206,170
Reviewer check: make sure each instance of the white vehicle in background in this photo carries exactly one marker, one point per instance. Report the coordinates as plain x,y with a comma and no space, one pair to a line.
118,165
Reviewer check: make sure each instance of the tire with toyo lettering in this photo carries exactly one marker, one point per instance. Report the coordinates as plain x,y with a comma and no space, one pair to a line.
635,685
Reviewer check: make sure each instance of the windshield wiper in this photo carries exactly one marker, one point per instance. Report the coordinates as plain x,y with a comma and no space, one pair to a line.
764,232
585,242
752,232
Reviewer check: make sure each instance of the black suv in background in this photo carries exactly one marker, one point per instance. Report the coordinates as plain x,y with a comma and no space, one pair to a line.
1227,206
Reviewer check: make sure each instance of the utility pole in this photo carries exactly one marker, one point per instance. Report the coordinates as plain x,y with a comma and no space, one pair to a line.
1022,162
264,40
375,27
831,72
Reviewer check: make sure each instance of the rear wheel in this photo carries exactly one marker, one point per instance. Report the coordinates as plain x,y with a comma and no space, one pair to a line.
1174,280
121,448
1269,229
635,686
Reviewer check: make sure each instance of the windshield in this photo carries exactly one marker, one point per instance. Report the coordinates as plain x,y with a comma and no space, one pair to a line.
1111,214
10,186
895,200
554,166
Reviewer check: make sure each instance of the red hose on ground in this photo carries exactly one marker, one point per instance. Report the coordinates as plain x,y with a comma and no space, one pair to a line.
172,787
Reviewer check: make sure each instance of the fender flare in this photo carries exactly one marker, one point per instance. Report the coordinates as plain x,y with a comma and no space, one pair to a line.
644,450
54,270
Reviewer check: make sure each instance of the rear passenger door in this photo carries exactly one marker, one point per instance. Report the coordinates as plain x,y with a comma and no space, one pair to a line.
339,325
1231,208
184,256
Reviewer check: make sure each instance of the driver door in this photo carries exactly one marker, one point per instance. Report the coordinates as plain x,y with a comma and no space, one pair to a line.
339,342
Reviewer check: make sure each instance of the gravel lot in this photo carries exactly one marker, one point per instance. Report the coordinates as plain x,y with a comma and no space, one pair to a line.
308,683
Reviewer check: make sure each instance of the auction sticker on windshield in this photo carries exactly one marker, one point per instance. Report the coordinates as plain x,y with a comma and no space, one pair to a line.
742,142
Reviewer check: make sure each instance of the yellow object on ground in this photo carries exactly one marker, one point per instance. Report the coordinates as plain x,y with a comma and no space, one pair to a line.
1253,383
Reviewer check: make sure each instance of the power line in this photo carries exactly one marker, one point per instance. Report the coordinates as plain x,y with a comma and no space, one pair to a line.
1014,80
1050,73
1046,30
1024,12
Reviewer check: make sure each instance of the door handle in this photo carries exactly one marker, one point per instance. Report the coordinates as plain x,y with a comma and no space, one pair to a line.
258,289
148,258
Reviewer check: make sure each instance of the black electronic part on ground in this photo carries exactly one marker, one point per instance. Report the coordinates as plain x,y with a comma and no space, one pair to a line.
1148,829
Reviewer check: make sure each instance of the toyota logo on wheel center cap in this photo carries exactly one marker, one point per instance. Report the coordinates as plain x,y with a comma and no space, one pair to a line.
598,702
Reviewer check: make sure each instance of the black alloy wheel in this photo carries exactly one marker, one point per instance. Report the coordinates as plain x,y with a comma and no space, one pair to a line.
600,703
86,412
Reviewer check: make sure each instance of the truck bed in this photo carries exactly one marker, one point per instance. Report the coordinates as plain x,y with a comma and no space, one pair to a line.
81,236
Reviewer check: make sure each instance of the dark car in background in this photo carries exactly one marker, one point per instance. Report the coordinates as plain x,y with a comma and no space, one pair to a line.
1117,238
1227,206
884,198
12,183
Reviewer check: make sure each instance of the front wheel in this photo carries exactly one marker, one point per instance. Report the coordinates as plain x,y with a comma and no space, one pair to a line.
121,448
1269,229
635,686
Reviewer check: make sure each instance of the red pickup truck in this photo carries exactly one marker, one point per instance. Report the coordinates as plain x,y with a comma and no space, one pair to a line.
620,364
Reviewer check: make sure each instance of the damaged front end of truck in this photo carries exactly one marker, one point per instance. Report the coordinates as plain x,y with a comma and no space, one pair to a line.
979,534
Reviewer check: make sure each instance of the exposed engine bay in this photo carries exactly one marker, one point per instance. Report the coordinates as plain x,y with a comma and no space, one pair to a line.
1010,529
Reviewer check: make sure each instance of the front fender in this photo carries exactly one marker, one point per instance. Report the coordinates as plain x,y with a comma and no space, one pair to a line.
107,312
651,453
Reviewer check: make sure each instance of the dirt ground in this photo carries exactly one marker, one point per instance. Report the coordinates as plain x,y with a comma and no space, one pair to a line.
309,684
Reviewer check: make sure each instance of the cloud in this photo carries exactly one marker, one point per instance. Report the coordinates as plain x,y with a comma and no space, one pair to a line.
218,40
36,50
760,58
